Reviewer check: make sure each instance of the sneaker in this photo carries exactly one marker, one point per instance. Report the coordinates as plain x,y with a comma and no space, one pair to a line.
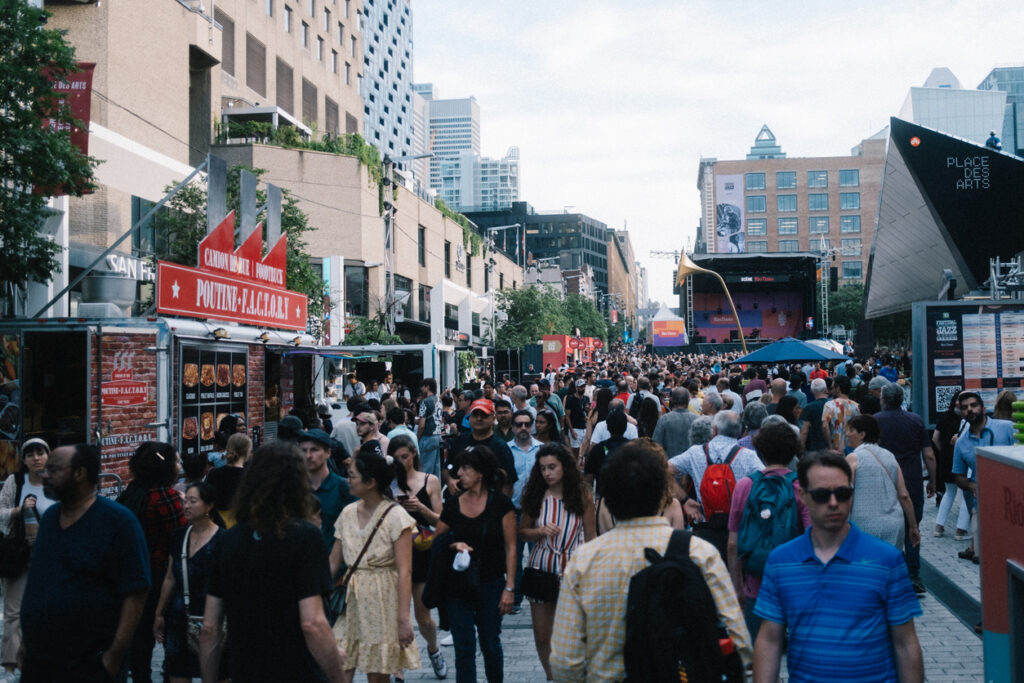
962,535
447,641
438,664
918,586
517,609
940,531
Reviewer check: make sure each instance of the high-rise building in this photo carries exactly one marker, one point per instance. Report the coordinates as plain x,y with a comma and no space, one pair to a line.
1009,79
388,109
943,105
453,127
779,204
470,182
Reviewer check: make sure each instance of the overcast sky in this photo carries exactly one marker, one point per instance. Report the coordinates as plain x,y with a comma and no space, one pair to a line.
612,104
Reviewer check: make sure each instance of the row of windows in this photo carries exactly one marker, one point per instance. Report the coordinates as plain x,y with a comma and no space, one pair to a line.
816,201
786,180
790,225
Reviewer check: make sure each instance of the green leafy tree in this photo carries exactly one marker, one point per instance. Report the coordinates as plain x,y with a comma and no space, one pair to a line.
846,306
582,313
32,155
532,312
183,226
372,330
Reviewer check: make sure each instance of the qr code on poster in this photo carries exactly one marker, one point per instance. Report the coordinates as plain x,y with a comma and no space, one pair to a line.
943,395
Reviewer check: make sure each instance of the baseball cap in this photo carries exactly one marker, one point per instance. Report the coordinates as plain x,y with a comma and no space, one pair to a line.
581,382
318,435
482,404
289,428
35,442
544,383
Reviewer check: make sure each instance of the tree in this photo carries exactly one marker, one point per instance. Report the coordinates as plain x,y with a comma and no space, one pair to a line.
371,330
846,306
31,155
183,226
532,312
582,313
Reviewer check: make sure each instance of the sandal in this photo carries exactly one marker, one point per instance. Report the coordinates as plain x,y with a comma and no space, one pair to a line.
966,554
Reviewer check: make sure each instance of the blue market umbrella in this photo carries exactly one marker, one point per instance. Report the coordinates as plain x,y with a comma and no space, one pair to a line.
788,350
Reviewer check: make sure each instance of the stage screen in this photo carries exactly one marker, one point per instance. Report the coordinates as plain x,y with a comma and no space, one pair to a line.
669,332
774,315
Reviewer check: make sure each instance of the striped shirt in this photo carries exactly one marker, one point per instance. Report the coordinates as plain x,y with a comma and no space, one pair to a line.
590,623
547,553
838,614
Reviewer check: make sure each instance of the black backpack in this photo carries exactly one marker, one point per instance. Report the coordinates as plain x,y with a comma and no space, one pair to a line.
672,628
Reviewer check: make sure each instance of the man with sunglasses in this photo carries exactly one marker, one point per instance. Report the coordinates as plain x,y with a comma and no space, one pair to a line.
524,452
844,596
481,422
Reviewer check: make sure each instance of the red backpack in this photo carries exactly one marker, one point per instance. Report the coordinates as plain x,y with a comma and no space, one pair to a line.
716,489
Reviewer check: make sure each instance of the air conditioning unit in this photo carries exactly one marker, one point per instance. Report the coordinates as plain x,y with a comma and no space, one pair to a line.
103,309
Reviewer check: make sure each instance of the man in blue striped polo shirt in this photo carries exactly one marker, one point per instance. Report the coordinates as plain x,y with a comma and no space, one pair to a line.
844,595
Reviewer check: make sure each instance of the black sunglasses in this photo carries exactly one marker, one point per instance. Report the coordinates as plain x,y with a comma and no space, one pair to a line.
842,494
523,424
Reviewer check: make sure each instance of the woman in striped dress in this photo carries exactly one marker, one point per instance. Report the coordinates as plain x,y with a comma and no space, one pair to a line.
558,516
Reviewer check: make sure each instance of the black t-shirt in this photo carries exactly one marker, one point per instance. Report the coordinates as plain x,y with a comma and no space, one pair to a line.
261,582
598,454
225,481
812,414
500,449
576,409
482,533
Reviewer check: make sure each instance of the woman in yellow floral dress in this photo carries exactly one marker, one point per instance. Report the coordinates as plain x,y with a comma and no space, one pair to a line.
381,584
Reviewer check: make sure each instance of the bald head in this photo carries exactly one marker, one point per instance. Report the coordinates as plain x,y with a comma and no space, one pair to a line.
778,388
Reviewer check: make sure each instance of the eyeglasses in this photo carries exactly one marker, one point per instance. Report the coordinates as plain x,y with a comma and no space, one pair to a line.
842,494
523,424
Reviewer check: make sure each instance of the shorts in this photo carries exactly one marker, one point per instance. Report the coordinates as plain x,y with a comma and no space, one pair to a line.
576,437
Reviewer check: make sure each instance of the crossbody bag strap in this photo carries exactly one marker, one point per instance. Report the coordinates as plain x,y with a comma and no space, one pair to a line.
369,540
184,566
879,461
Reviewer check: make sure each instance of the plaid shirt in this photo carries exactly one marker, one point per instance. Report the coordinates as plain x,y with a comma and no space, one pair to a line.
162,515
590,622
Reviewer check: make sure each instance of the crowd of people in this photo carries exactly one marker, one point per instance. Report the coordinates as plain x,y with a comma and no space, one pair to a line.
793,494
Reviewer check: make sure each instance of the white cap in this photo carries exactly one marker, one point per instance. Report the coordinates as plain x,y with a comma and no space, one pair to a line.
35,442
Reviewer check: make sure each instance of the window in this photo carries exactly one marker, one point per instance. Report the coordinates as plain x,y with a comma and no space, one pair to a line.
756,203
285,87
476,325
305,34
352,46
422,245
255,65
310,110
348,80
270,8
850,246
852,270
819,225
817,202
357,293
757,226
227,42
447,258
755,181
849,224
312,8
849,201
346,8
787,203
785,180
451,317
327,21
334,61
469,270
424,304
319,49
817,179
341,34
287,19
331,122
501,280
849,178
789,245
821,244
757,246
788,226
404,284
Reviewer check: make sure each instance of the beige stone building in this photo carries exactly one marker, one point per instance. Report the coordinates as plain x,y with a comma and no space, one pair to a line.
622,277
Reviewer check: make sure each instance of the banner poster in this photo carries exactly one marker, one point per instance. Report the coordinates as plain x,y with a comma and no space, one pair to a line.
731,236
213,383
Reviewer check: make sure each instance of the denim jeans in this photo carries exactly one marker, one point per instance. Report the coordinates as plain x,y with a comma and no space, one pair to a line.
912,554
430,455
477,609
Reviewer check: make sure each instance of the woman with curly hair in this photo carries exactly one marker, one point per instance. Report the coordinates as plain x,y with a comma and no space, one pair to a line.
269,575
558,517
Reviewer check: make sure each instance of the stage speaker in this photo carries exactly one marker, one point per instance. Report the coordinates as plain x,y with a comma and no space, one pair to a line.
734,335
833,279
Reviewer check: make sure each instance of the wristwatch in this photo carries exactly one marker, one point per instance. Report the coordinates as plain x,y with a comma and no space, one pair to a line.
510,590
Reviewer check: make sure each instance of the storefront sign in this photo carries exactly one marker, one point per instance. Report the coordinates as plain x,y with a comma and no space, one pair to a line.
197,294
122,390
75,90
131,266
213,383
233,284
598,344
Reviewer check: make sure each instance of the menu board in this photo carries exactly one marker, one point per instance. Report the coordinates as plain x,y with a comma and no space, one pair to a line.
213,383
966,345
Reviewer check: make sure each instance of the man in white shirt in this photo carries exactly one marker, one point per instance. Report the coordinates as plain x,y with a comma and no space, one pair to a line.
601,432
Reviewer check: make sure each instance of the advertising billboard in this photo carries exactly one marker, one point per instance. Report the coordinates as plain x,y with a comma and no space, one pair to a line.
730,234
669,332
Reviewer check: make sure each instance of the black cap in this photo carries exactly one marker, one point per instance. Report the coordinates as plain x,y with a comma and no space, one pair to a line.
319,436
289,428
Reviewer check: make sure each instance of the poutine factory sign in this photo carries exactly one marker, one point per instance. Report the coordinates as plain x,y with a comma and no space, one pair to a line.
238,285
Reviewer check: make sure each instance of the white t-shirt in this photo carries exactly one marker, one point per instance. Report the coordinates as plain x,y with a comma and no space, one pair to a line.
42,502
601,432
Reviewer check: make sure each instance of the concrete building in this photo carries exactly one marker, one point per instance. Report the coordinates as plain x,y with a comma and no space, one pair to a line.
622,279
388,109
453,127
779,204
1009,79
944,105
165,72
470,182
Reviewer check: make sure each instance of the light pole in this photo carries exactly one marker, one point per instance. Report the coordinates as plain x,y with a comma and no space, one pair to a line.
516,227
389,233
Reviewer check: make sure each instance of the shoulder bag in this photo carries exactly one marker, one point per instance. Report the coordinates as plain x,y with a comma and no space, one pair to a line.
540,585
336,600
193,625
15,550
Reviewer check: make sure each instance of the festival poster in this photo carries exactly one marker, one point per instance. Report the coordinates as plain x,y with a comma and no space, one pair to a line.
730,233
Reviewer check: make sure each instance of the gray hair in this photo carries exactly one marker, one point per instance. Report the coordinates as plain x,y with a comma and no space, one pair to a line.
616,404
773,420
680,397
878,382
715,399
818,386
700,431
892,395
753,415
727,423
519,393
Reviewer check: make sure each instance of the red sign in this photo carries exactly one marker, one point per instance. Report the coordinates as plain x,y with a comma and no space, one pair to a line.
122,390
198,294
217,253
574,343
722,319
614,316
76,91
598,344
